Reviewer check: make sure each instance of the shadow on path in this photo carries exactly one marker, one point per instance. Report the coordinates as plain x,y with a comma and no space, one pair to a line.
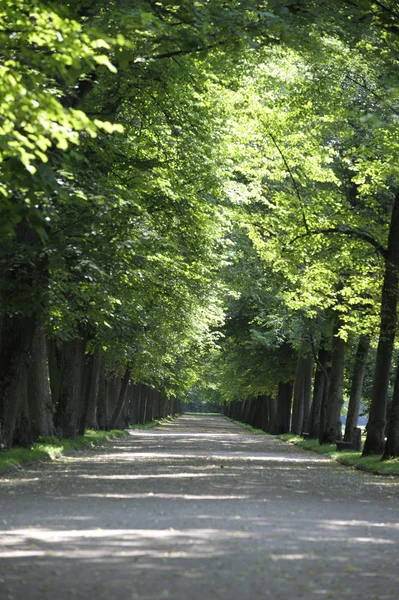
198,508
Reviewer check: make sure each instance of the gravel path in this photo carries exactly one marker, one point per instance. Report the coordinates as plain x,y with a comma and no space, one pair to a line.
198,509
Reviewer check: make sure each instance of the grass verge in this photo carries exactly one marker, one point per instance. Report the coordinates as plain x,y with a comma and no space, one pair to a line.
51,448
372,464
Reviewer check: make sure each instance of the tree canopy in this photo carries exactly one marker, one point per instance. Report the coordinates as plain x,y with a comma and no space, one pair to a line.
199,194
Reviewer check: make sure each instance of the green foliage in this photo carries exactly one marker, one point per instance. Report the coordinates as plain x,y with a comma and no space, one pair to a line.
195,187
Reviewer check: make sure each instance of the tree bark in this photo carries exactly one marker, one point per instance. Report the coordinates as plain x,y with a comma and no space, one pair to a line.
283,412
15,359
70,389
102,414
392,444
332,426
121,400
40,406
265,416
320,384
374,443
302,392
307,390
91,388
356,386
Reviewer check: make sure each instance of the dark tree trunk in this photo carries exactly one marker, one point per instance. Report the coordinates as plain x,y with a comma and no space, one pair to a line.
332,426
121,400
27,281
15,360
40,406
356,386
113,387
91,388
143,401
272,404
284,397
320,385
265,413
22,432
164,406
102,415
392,443
374,443
54,367
302,392
246,410
70,389
307,391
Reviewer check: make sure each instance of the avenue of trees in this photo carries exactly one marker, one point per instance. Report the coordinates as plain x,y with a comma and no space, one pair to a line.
199,198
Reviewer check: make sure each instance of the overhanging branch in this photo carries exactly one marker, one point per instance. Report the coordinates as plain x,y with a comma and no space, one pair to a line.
294,182
355,233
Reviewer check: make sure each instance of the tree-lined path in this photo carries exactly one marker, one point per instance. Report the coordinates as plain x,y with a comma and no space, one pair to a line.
198,509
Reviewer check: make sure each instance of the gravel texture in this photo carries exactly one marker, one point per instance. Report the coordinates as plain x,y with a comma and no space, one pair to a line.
198,509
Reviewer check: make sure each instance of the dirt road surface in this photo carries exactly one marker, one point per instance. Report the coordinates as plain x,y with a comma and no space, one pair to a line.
198,509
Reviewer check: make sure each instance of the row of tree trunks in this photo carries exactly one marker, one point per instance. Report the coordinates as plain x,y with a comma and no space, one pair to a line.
271,414
316,415
58,389
148,404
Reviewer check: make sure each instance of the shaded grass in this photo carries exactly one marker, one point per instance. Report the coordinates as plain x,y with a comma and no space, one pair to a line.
51,447
372,464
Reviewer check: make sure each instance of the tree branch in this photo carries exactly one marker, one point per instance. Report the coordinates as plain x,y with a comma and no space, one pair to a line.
356,233
294,183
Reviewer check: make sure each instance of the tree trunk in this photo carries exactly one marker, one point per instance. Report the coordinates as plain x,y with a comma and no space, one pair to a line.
307,390
89,414
265,416
302,390
121,400
392,443
332,426
70,390
15,359
22,431
54,368
320,385
246,410
356,386
102,414
272,414
40,406
374,443
284,397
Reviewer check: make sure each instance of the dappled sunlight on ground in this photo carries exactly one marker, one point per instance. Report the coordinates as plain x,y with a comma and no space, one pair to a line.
192,515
